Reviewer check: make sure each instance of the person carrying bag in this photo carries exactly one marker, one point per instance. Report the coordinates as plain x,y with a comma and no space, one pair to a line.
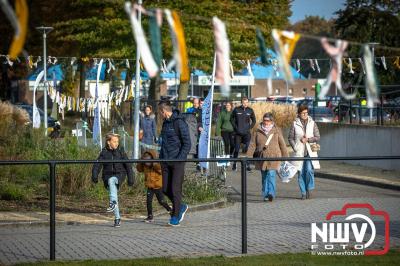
267,142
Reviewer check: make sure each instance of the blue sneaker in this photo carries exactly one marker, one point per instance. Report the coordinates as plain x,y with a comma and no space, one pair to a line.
184,208
173,221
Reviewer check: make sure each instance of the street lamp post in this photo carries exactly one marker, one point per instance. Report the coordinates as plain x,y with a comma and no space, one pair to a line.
373,44
137,97
45,31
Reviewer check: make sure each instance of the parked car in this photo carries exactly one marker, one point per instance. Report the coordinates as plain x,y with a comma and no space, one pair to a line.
367,115
321,114
51,122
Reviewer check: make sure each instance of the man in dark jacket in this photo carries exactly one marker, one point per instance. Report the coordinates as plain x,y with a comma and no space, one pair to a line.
242,120
113,173
175,144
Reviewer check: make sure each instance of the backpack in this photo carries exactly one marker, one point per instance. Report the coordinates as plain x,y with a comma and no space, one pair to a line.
191,122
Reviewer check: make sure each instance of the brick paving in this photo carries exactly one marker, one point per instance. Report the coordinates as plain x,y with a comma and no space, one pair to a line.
277,227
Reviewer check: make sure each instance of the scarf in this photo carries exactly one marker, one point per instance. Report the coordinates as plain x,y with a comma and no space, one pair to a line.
267,129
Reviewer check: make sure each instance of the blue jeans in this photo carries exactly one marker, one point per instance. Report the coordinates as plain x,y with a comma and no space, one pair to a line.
113,192
268,183
306,177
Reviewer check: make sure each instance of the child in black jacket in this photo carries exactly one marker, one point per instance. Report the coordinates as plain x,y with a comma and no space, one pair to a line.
113,173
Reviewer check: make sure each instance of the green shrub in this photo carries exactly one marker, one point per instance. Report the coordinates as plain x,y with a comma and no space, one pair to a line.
10,191
197,190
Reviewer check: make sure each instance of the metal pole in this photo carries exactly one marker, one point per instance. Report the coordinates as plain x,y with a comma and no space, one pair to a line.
137,96
52,211
382,110
244,206
45,30
191,81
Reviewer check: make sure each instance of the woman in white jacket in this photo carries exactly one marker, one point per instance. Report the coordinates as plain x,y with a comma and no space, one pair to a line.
303,132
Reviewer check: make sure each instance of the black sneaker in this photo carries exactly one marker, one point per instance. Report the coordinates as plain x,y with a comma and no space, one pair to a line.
248,168
112,206
234,167
270,197
149,219
117,223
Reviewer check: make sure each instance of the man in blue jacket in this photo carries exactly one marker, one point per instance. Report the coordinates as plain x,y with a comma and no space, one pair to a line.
175,144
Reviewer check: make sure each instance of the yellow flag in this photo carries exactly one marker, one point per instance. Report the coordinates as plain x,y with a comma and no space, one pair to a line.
21,10
285,43
180,36
130,93
396,62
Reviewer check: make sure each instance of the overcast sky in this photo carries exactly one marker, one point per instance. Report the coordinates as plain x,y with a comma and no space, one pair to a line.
323,8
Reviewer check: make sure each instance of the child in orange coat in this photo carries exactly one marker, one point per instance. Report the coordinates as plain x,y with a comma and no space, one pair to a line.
153,182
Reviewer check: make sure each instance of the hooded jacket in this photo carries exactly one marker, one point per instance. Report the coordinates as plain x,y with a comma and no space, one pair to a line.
119,170
175,145
152,174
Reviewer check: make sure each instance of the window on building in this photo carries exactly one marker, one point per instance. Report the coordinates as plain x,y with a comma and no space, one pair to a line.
291,91
277,91
305,91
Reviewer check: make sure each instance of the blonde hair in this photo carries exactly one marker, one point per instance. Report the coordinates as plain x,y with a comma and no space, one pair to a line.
111,135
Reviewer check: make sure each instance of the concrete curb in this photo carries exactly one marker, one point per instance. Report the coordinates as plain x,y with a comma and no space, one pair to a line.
350,179
200,207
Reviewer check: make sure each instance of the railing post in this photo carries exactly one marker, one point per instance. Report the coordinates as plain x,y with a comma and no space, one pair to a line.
52,210
244,206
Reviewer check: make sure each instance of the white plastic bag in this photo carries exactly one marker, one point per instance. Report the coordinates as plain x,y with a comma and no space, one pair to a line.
286,171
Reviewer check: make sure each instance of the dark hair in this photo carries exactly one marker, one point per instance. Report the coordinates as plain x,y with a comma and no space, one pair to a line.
148,106
269,115
244,98
165,106
302,108
229,102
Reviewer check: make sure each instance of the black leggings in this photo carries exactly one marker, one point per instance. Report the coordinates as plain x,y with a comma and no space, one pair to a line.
160,198
229,142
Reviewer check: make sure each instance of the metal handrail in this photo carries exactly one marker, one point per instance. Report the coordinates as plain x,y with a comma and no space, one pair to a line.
243,161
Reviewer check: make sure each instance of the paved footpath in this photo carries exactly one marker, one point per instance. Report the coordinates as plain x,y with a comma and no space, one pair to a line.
277,227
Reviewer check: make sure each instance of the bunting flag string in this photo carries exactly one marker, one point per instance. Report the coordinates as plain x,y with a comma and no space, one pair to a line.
141,42
383,60
20,17
362,65
155,23
261,46
334,76
370,80
316,64
222,68
285,43
396,62
312,64
35,111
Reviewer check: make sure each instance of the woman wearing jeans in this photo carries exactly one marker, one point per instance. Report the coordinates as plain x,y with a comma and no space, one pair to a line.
267,142
303,132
